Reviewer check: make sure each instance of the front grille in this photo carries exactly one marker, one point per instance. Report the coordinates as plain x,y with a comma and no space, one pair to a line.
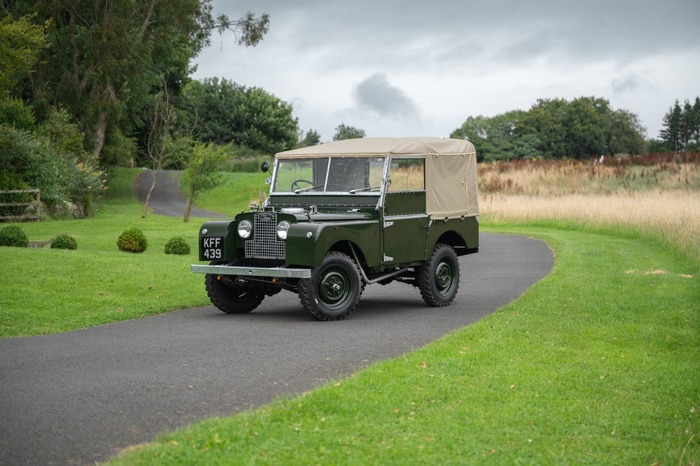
265,244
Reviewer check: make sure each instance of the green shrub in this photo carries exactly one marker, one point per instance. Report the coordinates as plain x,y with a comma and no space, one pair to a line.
177,245
13,236
64,242
132,240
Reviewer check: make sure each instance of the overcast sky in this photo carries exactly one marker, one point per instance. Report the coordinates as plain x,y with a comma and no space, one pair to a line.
420,68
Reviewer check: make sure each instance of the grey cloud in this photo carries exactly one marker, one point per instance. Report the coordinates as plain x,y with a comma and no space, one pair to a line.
630,82
509,29
375,93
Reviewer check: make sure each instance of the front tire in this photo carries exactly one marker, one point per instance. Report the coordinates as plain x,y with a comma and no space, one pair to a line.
439,277
229,298
334,288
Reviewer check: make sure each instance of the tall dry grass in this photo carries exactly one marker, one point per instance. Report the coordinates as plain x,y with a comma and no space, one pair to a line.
661,197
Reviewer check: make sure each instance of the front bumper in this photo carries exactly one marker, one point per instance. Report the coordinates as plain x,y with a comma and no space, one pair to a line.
280,272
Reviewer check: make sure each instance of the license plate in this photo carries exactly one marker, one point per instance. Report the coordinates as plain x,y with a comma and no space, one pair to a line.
212,248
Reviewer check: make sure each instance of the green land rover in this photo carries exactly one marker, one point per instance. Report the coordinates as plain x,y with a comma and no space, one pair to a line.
344,215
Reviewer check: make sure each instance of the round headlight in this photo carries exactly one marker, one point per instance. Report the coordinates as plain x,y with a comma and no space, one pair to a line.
245,228
282,229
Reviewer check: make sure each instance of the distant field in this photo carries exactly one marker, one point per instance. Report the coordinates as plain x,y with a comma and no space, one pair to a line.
658,194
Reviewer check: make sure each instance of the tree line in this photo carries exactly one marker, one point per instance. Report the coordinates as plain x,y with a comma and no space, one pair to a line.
555,128
92,84
681,127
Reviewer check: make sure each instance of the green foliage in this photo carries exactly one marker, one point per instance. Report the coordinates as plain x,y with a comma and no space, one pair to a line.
495,138
59,129
177,245
249,117
311,138
21,42
132,240
16,114
555,128
681,127
13,235
104,59
202,172
119,150
344,131
51,158
64,241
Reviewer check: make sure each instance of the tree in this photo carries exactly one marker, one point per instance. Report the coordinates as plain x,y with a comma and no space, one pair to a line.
694,122
21,42
624,133
495,138
347,132
159,123
681,126
48,155
584,127
311,138
555,128
227,112
546,121
202,172
105,57
671,131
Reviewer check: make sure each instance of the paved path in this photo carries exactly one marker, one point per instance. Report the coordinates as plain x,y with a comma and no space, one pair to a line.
167,198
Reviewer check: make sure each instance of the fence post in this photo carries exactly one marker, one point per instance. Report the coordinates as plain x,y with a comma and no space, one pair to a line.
15,206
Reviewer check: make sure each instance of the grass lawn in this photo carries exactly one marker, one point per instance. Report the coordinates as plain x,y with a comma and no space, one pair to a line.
596,364
50,290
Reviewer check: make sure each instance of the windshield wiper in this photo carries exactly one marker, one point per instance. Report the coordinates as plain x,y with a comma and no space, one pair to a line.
303,190
359,190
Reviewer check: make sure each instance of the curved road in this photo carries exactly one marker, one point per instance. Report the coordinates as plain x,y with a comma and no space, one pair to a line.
81,397
167,198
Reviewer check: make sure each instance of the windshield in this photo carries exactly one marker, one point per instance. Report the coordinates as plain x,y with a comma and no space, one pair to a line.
333,175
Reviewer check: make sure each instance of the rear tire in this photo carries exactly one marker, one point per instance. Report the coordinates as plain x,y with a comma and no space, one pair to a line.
334,288
439,277
228,297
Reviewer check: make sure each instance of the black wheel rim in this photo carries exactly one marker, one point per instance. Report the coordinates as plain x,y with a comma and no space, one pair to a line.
444,277
334,288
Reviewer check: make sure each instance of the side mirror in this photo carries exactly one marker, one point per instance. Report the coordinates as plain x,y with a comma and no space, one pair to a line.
265,167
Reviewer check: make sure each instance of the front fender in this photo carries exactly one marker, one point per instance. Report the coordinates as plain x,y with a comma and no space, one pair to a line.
308,243
223,229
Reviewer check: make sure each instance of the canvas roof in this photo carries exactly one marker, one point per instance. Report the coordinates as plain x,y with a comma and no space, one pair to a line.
450,167
384,146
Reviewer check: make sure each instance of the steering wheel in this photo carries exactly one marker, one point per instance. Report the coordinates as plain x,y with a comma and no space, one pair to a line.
295,184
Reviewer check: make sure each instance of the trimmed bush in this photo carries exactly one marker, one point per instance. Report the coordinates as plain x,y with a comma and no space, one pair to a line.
64,242
132,240
177,245
13,236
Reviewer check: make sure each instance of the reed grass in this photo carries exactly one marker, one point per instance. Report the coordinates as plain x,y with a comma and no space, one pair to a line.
659,197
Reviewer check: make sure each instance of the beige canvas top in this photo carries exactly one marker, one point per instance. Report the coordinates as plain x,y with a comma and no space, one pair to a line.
450,166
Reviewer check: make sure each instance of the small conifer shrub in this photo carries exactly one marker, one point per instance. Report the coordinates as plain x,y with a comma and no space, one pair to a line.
177,245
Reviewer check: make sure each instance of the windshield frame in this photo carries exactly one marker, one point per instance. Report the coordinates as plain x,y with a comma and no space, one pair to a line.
376,174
